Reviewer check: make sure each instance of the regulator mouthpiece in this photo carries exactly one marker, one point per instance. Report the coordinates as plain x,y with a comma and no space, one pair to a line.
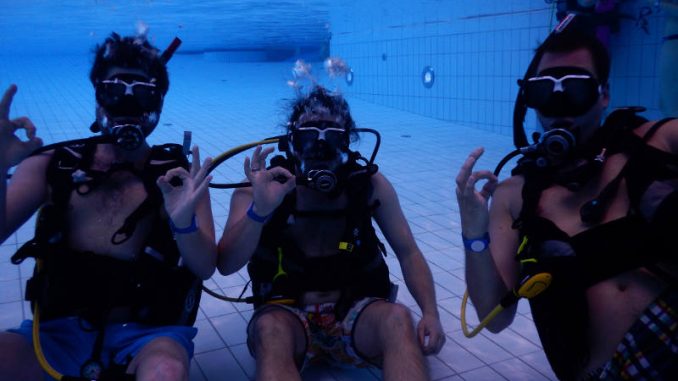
128,136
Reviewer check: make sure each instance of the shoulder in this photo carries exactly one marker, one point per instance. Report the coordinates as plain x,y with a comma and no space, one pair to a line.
666,137
35,164
509,195
381,186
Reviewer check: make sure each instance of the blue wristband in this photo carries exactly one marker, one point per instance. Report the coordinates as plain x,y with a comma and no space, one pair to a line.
476,245
190,229
260,219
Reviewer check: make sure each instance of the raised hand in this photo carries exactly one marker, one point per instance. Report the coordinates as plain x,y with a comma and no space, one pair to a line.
180,199
13,149
473,204
269,186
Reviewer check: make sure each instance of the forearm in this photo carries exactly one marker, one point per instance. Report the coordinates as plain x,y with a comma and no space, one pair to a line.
419,281
486,288
198,248
238,244
198,251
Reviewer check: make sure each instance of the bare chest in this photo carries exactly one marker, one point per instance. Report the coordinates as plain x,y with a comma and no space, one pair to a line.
564,207
95,217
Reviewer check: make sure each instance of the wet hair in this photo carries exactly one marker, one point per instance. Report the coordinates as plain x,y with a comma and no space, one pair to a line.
576,35
321,97
132,53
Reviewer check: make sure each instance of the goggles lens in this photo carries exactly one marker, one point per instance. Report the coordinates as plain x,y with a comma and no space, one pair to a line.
332,133
563,95
113,92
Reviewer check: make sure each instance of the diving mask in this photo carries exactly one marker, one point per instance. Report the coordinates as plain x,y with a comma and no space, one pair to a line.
128,108
562,91
128,97
320,149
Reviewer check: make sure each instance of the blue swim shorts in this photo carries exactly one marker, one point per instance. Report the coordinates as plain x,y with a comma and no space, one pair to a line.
68,343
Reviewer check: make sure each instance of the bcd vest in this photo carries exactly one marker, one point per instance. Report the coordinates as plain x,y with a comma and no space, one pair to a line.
642,238
152,288
280,271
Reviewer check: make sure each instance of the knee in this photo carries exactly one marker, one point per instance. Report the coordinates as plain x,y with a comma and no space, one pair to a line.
273,325
166,367
277,329
17,358
166,360
397,321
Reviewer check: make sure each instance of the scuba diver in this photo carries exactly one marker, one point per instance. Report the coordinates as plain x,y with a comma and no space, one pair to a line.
320,283
124,234
595,205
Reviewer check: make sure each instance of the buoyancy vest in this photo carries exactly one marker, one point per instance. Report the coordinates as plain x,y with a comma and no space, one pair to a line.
642,238
153,288
281,272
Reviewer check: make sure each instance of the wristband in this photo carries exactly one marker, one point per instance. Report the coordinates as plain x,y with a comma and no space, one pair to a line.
190,229
476,245
254,216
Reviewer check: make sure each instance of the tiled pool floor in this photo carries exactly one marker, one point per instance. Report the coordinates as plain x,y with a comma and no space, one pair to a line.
225,105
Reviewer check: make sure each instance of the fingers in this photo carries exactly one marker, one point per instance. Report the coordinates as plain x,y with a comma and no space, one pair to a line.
470,185
280,172
26,124
259,157
6,101
248,169
202,188
489,186
436,342
199,176
195,164
164,182
467,167
431,341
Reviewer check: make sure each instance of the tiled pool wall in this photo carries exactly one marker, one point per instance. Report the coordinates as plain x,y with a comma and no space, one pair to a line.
478,49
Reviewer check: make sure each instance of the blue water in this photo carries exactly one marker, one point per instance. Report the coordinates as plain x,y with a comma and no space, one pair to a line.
228,86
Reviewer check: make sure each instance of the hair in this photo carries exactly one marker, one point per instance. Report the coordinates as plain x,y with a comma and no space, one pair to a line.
129,52
320,97
577,35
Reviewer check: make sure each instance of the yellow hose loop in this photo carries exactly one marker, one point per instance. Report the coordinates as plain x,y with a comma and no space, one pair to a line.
36,339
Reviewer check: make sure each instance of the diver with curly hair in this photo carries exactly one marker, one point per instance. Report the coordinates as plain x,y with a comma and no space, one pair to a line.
124,235
319,279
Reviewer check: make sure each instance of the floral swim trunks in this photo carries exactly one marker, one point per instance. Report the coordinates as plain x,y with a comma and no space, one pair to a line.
327,339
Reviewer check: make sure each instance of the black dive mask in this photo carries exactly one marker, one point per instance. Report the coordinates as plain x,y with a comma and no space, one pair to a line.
562,91
128,109
320,150
128,95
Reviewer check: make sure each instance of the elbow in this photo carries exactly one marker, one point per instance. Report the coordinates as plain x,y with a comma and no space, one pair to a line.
500,322
206,273
226,268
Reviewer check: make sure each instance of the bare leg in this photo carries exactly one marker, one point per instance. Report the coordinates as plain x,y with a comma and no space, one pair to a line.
279,339
17,359
163,359
386,330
